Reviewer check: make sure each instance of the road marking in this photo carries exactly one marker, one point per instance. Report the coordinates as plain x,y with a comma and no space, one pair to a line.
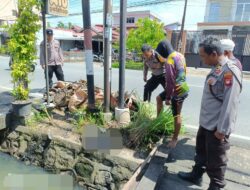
5,88
232,135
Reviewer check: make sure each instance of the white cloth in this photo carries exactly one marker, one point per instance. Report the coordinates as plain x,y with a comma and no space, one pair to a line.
227,45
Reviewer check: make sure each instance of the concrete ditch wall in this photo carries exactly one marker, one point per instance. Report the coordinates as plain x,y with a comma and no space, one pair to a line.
91,169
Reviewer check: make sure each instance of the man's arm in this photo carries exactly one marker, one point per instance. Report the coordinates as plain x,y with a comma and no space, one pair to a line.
42,62
170,81
145,71
61,53
230,104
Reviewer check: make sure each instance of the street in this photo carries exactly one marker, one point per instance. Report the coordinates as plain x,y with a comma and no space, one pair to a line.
77,71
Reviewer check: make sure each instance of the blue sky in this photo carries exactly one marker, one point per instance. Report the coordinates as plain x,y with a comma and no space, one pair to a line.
168,12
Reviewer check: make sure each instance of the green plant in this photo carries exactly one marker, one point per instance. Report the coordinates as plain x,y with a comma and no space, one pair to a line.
38,116
83,117
3,50
22,45
60,24
130,65
146,128
147,32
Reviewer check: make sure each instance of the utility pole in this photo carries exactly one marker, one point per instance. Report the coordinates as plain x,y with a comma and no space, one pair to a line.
122,114
45,50
182,26
88,53
107,15
122,58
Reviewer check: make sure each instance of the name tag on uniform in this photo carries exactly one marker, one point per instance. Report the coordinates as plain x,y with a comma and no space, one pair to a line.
211,81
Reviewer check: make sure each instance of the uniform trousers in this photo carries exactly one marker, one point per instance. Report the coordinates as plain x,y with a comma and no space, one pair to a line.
211,153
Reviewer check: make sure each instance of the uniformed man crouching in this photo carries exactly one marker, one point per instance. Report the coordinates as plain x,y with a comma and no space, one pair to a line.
217,116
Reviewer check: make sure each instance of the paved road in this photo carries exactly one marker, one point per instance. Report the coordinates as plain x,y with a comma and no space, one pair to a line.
76,71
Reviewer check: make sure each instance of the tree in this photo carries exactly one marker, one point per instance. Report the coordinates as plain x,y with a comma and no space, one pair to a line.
48,25
61,25
147,32
22,45
70,25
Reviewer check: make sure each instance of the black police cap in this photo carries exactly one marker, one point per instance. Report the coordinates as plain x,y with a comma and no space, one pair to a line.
49,32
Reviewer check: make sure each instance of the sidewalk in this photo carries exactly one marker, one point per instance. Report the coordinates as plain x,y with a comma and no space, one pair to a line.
181,159
205,71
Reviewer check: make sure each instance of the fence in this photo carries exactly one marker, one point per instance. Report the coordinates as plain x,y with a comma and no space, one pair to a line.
192,39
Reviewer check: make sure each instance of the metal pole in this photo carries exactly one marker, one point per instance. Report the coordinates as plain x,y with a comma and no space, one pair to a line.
107,15
88,53
45,50
122,57
182,25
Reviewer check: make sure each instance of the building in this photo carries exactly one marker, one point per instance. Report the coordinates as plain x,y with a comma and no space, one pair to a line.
8,15
228,19
8,12
133,17
224,15
172,26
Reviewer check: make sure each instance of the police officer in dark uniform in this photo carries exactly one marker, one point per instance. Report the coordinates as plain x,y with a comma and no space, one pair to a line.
217,117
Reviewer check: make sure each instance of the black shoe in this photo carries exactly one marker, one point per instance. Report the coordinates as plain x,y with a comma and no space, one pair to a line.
195,176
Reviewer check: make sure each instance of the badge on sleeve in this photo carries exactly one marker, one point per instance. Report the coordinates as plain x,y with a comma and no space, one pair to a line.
228,79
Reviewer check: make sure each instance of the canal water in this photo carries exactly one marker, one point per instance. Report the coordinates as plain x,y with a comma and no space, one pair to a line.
15,175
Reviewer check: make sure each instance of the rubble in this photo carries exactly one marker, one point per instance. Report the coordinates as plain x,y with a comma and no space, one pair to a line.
74,95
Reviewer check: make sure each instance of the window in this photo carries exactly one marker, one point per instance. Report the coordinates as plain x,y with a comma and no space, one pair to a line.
239,11
131,20
214,12
243,10
14,13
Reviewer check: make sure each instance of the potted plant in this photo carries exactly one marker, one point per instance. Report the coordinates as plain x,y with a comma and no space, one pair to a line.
23,52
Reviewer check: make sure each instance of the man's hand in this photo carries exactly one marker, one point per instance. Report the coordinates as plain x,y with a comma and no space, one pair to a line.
219,135
168,102
145,79
43,66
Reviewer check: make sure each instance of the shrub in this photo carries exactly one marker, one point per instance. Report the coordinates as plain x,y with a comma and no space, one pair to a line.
130,65
22,45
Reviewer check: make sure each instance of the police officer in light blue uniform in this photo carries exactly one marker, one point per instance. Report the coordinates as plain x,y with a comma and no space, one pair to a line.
217,116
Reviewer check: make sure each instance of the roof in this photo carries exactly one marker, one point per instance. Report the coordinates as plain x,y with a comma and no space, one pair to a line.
224,23
133,13
77,33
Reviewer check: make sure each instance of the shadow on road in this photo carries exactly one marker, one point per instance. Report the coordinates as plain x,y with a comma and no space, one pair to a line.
5,101
183,151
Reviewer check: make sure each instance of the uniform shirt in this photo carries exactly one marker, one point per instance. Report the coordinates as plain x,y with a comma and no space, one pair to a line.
55,55
237,62
175,74
220,98
153,63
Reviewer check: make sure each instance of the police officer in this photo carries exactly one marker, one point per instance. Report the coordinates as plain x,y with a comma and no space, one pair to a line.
152,62
55,57
217,117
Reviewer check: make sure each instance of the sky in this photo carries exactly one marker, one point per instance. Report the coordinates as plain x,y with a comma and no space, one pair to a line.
168,12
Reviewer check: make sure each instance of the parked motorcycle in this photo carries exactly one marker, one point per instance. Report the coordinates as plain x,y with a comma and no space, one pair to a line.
98,57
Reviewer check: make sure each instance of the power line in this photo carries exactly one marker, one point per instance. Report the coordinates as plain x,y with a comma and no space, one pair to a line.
130,5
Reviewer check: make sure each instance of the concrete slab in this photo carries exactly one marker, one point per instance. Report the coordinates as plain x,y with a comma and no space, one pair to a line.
154,170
